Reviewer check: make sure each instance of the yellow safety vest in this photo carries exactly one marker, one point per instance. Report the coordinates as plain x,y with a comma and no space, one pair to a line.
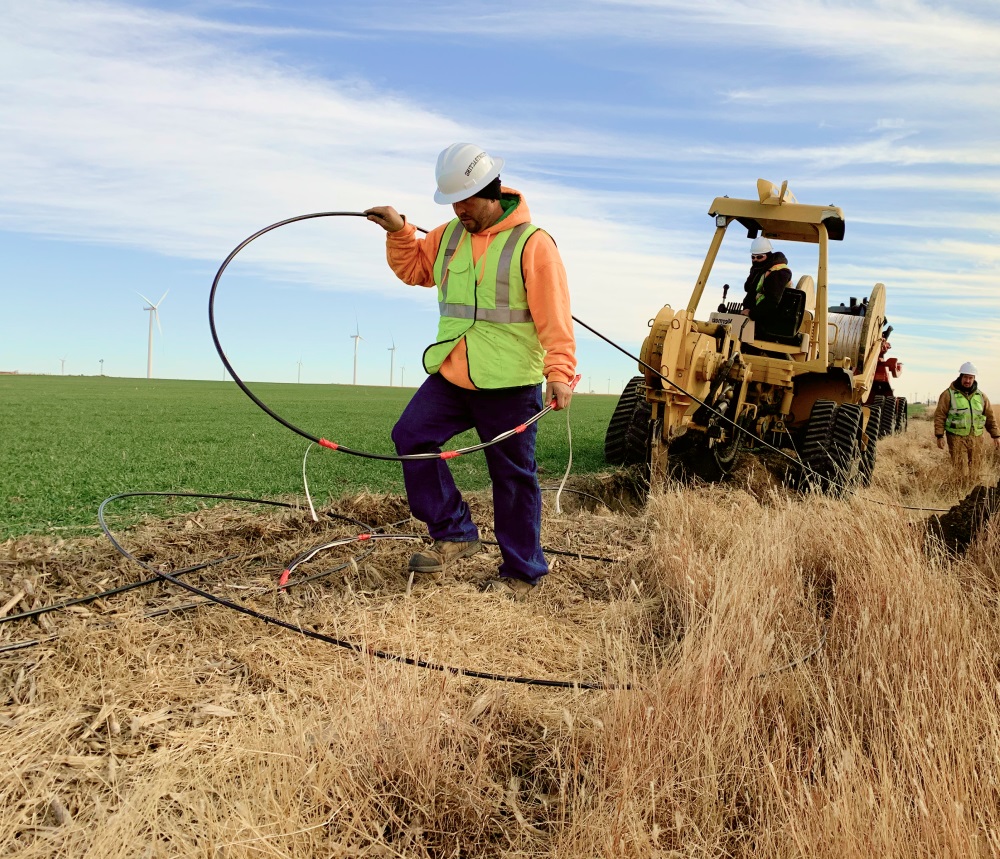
967,414
760,283
490,310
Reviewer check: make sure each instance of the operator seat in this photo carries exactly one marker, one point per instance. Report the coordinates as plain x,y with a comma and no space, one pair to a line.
808,286
787,319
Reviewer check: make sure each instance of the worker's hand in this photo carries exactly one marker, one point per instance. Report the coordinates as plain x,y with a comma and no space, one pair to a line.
386,217
941,443
745,311
996,442
559,394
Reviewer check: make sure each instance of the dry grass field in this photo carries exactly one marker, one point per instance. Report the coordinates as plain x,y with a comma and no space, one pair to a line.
789,676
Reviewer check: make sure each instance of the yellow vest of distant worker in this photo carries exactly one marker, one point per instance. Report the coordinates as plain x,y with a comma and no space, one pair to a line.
760,283
488,307
967,414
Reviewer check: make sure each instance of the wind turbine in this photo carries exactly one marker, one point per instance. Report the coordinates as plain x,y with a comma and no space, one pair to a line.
300,372
392,362
62,366
356,336
154,312
402,377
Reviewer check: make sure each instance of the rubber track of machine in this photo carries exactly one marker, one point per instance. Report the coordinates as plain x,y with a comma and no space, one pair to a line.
870,451
615,439
846,433
637,434
880,404
816,449
889,416
902,417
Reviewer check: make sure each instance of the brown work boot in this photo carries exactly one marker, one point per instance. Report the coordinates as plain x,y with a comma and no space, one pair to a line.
436,557
513,589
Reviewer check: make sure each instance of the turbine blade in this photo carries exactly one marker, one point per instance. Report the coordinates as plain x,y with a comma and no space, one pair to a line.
143,297
156,313
158,303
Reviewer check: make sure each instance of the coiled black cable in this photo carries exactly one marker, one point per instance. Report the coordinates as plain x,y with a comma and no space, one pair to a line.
322,442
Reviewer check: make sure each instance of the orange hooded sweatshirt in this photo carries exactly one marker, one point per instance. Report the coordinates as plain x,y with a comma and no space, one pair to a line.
412,260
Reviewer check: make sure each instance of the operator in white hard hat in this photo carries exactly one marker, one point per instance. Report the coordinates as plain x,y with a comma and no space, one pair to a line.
769,277
505,326
963,413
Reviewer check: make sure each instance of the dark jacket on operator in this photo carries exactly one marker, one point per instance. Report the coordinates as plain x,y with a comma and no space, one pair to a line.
775,282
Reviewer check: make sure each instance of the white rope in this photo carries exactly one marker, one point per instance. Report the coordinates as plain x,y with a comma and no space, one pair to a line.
305,483
569,463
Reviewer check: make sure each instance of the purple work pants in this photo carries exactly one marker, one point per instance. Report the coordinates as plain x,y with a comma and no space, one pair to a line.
440,410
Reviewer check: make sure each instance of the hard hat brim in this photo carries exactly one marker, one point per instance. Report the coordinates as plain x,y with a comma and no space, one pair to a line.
472,190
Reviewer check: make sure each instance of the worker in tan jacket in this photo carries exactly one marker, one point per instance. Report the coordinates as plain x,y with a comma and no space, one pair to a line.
963,413
505,327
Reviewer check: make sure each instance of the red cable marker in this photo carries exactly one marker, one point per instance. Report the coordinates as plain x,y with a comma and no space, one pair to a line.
449,454
284,578
330,444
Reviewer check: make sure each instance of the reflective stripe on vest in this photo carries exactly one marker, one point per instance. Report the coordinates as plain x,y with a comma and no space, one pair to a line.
486,314
488,306
502,311
454,238
760,283
967,414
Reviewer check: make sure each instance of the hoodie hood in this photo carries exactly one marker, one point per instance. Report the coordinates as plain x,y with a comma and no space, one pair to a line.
515,211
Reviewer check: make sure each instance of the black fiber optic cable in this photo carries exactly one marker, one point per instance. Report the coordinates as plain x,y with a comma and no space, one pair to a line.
354,647
322,442
89,598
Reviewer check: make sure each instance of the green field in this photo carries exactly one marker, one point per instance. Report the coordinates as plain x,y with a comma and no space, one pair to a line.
70,442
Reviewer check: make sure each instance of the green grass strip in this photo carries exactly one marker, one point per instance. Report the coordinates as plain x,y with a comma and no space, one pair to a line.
68,442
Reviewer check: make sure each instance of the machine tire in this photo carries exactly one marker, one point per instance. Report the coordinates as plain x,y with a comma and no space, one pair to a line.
879,403
626,439
888,423
817,462
902,416
846,438
870,451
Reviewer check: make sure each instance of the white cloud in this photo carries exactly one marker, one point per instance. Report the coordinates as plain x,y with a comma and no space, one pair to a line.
914,36
163,132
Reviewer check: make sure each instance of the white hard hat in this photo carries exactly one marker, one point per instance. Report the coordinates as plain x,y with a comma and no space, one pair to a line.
760,246
968,369
463,170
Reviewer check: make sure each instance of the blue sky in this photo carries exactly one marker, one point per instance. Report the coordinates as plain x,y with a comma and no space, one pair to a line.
142,141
